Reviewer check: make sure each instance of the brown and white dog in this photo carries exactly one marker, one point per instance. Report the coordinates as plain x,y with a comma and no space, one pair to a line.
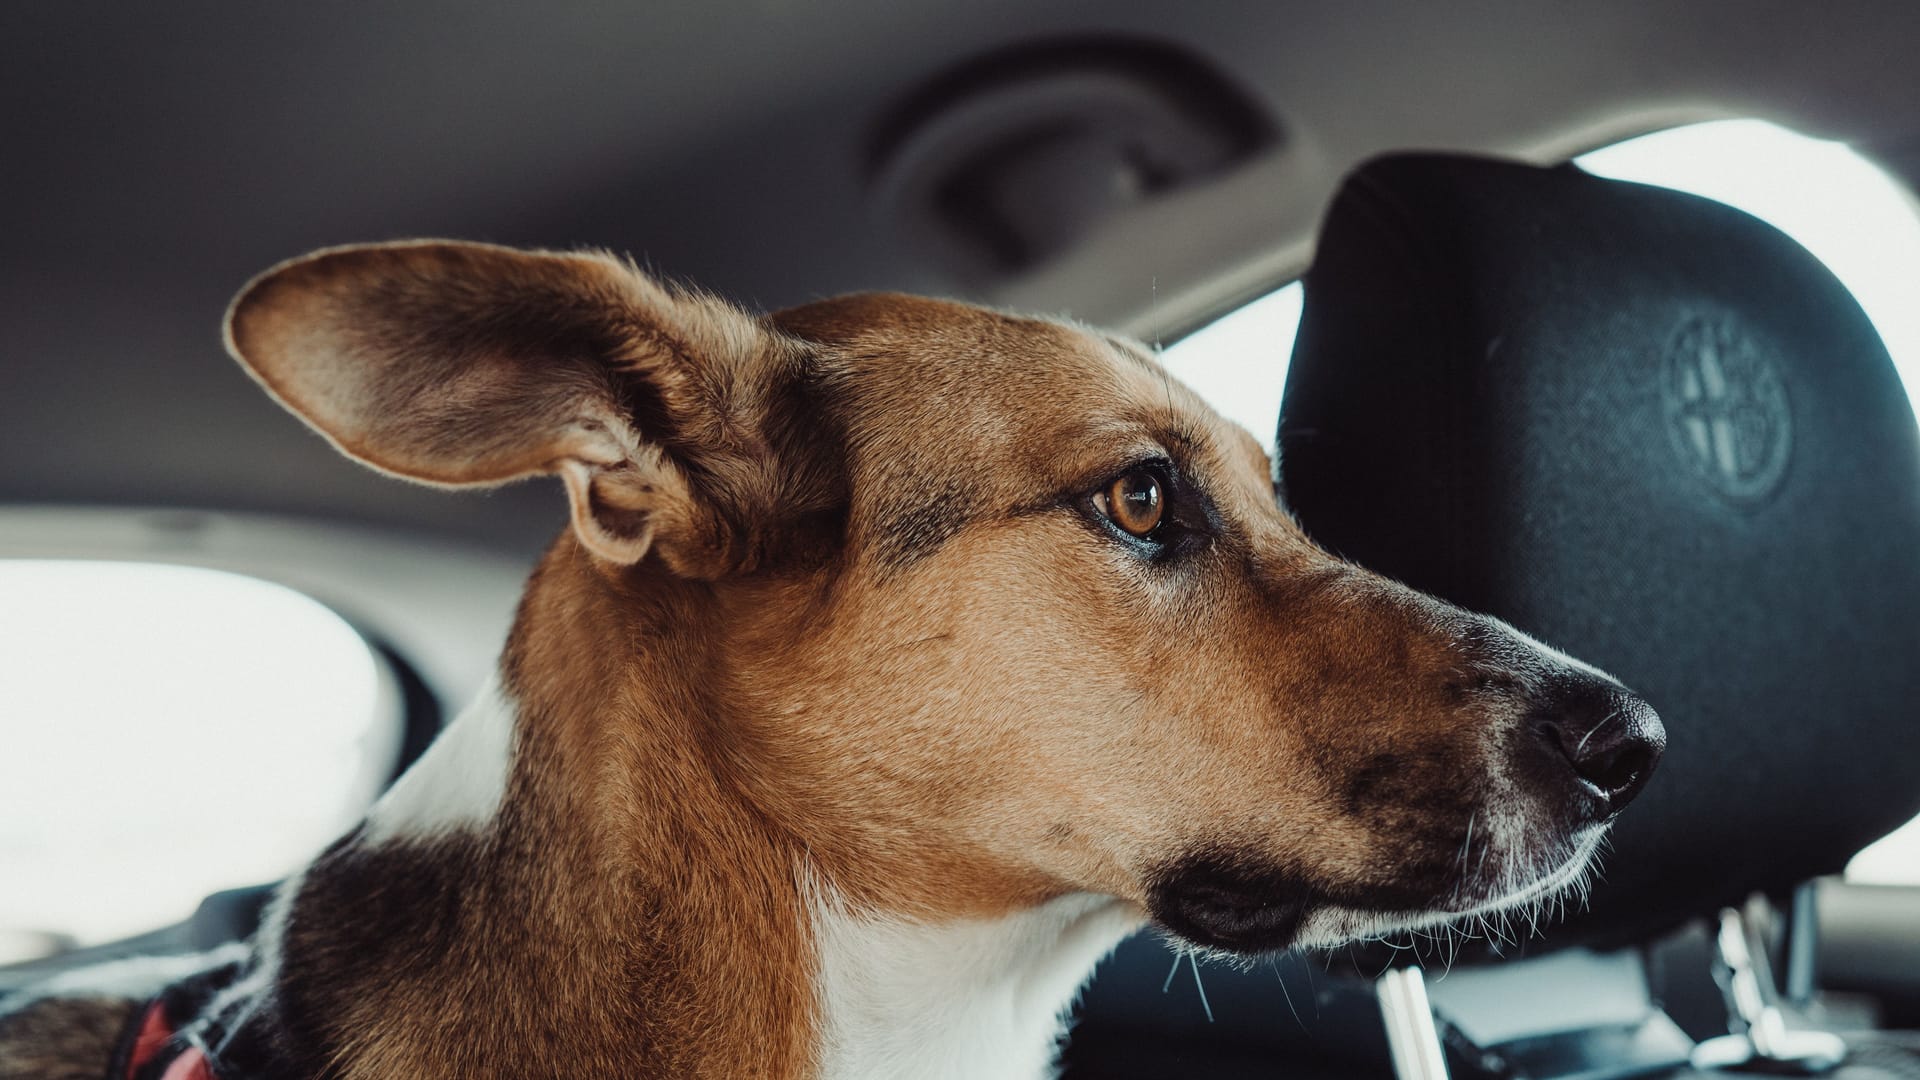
901,658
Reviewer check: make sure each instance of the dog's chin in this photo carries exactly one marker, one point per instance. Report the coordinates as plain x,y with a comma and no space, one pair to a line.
1222,906
1334,925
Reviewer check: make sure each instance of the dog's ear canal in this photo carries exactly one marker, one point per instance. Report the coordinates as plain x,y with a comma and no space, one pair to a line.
473,365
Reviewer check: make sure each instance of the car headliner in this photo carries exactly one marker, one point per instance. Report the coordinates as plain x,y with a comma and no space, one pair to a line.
157,156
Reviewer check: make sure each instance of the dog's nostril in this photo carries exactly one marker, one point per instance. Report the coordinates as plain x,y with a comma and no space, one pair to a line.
1617,770
1612,739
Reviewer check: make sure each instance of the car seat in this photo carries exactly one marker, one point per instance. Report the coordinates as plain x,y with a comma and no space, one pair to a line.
1659,434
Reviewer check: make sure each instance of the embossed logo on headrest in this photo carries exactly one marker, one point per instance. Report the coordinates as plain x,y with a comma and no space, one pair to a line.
1727,410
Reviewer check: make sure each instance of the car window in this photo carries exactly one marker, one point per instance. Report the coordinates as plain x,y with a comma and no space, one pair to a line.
1851,214
167,732
1239,362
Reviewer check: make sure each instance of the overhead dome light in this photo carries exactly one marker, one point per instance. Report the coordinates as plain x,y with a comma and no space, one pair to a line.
1009,160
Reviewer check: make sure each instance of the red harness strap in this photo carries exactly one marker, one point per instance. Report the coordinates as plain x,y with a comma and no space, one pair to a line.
154,1044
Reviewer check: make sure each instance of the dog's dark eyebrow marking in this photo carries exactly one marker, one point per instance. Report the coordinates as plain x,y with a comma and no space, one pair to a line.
909,534
1180,434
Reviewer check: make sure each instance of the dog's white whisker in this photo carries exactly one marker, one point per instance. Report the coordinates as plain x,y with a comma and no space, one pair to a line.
1286,993
1460,875
1595,730
1194,962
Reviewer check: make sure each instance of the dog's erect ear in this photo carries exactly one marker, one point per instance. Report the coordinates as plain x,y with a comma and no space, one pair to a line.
470,365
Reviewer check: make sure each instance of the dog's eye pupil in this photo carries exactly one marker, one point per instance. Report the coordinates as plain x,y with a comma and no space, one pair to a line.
1133,502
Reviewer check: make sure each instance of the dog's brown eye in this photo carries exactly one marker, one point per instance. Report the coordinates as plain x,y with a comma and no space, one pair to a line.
1133,502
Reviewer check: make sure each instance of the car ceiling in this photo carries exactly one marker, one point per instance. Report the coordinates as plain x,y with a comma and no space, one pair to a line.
156,156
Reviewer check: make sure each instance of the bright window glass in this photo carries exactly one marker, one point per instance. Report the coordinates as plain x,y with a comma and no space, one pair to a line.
1842,207
1839,205
1239,362
167,732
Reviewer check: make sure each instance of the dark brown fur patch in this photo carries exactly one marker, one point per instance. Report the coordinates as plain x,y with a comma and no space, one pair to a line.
912,533
62,1038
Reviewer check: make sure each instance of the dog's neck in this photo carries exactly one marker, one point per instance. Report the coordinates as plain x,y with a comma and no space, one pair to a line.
573,878
964,999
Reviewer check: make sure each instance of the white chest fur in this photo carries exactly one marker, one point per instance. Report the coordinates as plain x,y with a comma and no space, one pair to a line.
968,1000
459,782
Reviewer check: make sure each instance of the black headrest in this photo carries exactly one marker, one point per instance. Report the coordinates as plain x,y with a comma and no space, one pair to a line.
1655,432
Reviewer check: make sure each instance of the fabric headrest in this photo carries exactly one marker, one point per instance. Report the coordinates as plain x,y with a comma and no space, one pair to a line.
1655,432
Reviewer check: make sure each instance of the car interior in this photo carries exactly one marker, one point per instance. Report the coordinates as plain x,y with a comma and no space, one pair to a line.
1639,424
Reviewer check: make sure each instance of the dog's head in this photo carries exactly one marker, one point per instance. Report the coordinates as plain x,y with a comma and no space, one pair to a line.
997,609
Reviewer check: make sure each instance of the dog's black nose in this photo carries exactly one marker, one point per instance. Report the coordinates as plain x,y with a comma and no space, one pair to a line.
1610,738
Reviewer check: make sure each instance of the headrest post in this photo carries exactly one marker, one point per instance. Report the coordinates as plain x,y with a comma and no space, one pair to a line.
1762,1037
1412,1038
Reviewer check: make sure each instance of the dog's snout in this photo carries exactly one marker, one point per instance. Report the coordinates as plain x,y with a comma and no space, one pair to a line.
1609,737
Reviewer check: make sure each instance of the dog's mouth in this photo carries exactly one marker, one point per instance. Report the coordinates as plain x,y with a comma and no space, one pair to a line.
1216,905
1518,906
1244,908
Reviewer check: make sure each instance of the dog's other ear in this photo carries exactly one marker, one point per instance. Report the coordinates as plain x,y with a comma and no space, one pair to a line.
471,365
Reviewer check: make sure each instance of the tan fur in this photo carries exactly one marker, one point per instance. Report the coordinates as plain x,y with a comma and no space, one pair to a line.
833,613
